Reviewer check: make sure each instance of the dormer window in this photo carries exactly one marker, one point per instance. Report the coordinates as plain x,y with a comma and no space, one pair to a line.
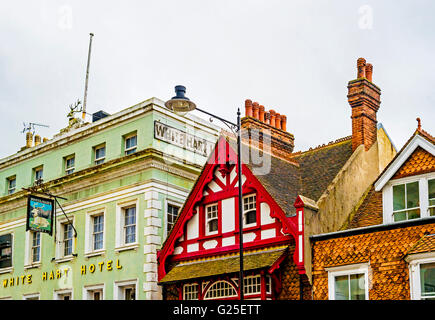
406,204
409,198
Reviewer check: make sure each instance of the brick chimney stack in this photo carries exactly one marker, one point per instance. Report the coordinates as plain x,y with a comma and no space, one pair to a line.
364,99
270,123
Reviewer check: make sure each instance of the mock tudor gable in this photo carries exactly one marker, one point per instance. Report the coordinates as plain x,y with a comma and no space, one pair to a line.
208,224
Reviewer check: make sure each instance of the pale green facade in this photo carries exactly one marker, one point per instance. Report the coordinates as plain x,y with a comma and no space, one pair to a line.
157,175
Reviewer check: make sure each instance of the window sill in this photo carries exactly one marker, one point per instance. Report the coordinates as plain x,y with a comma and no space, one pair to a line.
63,259
95,253
6,270
130,246
32,266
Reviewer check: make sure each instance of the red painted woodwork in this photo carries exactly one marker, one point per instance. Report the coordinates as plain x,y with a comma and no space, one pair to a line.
222,161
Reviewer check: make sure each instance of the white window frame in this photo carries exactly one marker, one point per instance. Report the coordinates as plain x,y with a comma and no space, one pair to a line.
68,169
28,259
127,150
60,222
207,219
35,172
387,195
415,261
174,204
10,189
360,268
245,224
120,220
189,290
100,160
57,294
89,232
209,290
120,286
88,291
32,296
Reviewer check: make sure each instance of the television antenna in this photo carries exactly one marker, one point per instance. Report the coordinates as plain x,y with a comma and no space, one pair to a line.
30,127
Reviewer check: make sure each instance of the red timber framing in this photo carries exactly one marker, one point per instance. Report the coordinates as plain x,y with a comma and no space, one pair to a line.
218,182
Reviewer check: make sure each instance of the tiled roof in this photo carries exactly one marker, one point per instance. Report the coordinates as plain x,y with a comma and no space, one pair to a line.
318,167
223,265
425,244
419,162
309,174
368,211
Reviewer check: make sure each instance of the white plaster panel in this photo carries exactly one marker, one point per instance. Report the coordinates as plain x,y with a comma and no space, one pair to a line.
248,237
228,241
210,244
265,214
192,247
228,215
193,227
268,233
214,186
178,250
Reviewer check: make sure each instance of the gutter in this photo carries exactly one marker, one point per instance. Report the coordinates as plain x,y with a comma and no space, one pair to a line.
375,228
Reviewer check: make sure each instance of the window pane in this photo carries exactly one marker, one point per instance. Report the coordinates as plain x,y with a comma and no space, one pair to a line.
341,288
431,184
399,197
357,287
427,278
400,216
100,153
412,195
213,225
413,214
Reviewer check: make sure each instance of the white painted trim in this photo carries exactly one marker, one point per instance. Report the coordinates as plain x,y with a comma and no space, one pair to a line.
119,234
347,270
28,296
387,195
87,290
415,261
89,230
178,204
58,293
417,141
119,285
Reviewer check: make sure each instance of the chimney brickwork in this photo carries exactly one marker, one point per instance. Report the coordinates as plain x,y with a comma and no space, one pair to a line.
256,117
364,99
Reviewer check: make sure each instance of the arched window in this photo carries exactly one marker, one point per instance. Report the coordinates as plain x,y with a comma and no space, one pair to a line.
220,289
250,209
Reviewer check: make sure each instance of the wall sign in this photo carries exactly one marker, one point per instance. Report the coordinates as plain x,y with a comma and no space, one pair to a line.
182,139
40,213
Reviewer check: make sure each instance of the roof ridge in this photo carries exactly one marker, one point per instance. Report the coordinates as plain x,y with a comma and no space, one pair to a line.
330,143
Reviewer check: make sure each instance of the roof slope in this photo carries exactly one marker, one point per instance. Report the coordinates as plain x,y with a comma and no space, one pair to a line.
319,167
310,173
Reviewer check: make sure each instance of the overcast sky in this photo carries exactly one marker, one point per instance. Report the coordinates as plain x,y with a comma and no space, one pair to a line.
295,57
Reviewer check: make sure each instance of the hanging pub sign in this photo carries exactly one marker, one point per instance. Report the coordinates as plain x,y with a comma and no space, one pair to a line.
40,214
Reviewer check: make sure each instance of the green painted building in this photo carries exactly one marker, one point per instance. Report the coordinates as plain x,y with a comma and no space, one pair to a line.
124,177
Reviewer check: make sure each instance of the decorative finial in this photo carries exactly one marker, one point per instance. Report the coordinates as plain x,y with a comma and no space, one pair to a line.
419,124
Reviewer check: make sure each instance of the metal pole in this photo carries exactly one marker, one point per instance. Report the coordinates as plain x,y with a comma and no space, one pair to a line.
239,172
87,77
